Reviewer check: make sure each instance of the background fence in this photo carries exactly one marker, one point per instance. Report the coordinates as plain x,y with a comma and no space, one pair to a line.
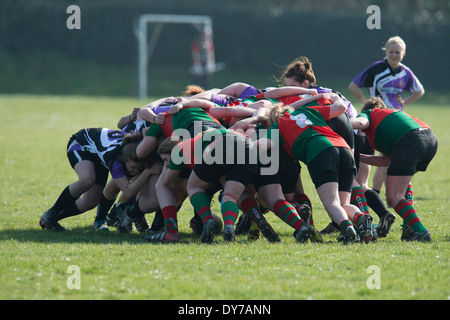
39,54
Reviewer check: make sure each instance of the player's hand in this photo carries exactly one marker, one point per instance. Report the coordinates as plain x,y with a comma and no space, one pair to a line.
160,118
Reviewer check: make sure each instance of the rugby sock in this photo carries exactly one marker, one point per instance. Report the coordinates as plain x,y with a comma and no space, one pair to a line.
69,211
359,199
63,200
170,218
345,224
409,215
357,216
409,195
286,212
251,206
158,221
135,211
201,204
375,203
103,207
303,199
230,212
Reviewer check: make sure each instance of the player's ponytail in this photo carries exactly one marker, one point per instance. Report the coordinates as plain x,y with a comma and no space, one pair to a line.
374,103
300,70
277,112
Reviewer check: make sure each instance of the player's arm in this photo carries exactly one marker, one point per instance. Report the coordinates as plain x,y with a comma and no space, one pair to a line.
413,97
146,146
236,111
200,103
338,105
360,123
287,91
373,160
127,119
356,91
259,115
130,189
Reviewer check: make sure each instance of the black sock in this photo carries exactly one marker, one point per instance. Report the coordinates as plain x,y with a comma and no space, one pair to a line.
375,203
158,221
63,200
103,207
69,211
135,211
128,202
335,225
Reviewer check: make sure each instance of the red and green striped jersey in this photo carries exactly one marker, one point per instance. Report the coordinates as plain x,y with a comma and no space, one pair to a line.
190,152
180,120
388,126
304,133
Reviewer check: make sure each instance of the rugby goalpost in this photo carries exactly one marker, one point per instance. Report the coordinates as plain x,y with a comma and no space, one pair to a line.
147,46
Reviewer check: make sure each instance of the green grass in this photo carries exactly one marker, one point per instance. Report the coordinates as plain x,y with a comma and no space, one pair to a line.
34,263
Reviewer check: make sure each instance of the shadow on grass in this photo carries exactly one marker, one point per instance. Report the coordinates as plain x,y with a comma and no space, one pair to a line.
87,235
83,235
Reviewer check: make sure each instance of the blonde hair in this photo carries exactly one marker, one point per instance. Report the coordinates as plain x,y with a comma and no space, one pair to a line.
396,40
277,112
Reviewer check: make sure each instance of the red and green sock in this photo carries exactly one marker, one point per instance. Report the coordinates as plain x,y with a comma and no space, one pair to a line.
252,207
201,204
409,195
230,212
358,198
345,224
303,199
170,218
409,215
286,212
358,216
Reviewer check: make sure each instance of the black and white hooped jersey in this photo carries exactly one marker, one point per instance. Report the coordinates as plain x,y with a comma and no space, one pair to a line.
103,142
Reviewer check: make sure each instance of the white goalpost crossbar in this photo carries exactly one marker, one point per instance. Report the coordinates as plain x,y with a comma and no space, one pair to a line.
204,21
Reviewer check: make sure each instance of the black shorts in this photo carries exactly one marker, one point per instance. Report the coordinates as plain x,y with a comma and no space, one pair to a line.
333,164
243,173
343,127
413,153
76,153
362,146
287,175
238,160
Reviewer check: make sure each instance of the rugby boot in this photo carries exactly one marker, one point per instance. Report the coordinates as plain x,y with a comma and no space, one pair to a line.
209,230
385,224
48,219
408,234
229,233
365,228
349,235
162,236
303,234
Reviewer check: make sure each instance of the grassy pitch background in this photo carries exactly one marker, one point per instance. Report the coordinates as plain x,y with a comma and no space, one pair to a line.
34,263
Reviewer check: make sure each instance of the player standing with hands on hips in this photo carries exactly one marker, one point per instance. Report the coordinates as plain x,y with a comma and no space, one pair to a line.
388,79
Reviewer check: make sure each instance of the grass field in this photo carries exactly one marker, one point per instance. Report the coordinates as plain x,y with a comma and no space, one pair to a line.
35,264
